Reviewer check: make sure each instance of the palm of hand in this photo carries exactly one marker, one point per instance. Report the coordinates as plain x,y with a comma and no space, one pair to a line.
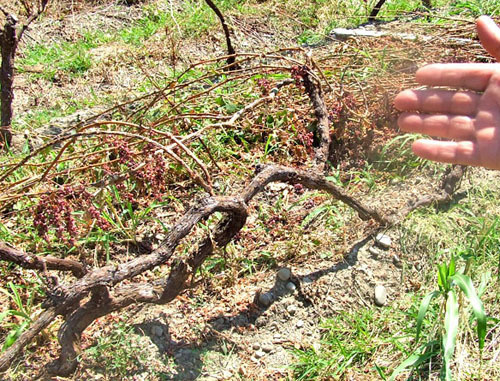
470,118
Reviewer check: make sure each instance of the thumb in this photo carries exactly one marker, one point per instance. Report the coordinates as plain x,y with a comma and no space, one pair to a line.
489,34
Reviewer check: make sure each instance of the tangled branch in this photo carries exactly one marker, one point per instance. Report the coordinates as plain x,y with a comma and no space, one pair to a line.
99,291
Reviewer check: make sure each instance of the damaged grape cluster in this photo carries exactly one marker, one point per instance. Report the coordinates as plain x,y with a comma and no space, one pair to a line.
142,173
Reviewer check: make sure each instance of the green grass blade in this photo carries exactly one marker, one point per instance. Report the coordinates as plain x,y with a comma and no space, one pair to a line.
409,362
413,361
452,266
465,284
380,372
442,276
313,215
18,313
424,306
13,335
450,332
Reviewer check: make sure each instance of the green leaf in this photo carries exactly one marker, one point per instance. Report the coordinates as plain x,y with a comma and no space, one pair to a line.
13,335
452,266
18,313
465,284
424,306
442,276
14,296
414,360
267,148
380,372
450,332
311,216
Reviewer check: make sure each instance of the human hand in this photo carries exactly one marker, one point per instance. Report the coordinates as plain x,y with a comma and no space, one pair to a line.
469,117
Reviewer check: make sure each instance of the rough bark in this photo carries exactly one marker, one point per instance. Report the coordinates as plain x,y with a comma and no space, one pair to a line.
30,261
8,43
376,9
113,287
449,184
159,292
315,94
230,50
10,35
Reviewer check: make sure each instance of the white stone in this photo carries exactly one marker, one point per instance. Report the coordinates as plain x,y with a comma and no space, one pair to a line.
300,324
259,354
383,241
290,286
284,274
291,309
374,252
397,262
380,295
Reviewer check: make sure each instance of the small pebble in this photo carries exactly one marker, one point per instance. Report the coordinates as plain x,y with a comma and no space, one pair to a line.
267,348
256,346
284,274
383,241
397,262
300,324
290,286
395,181
259,354
380,295
374,252
265,299
307,280
291,309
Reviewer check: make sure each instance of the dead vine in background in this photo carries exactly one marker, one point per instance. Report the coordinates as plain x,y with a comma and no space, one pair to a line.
11,34
99,291
376,9
230,50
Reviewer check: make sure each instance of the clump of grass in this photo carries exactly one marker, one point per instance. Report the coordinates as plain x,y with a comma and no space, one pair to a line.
120,353
71,58
447,322
350,343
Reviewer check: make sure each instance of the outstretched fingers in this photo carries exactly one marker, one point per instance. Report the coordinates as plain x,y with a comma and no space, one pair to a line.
471,76
464,152
438,101
489,34
443,126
